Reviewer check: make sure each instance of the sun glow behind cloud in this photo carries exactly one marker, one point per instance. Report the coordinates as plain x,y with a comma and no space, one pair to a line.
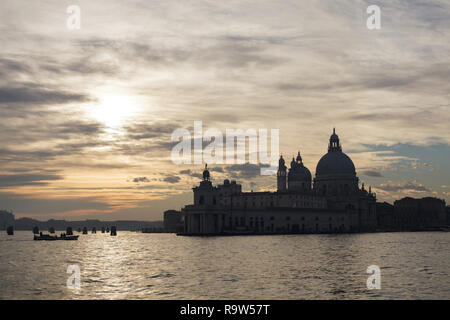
114,110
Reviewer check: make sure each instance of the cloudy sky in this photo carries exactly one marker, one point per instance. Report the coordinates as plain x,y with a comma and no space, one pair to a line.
87,115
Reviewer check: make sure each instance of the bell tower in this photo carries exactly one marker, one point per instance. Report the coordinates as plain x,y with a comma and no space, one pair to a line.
281,175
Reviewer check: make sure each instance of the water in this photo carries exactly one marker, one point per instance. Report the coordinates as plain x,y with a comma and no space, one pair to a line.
164,266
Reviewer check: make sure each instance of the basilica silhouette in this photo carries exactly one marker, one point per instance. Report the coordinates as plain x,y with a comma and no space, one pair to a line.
332,202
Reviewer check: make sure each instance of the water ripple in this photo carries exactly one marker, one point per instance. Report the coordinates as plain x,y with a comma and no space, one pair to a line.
164,266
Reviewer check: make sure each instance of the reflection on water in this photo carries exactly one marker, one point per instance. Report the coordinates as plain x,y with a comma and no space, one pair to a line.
164,266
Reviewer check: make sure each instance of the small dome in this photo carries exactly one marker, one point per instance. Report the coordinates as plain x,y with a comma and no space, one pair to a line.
299,173
335,162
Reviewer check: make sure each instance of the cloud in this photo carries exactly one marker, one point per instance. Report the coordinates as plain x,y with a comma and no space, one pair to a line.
172,179
221,52
371,173
243,171
141,179
34,94
189,172
403,186
15,180
142,131
69,138
13,66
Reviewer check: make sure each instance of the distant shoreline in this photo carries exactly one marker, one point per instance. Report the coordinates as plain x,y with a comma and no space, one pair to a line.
27,224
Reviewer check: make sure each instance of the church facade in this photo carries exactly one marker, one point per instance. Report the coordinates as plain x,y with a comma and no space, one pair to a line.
332,202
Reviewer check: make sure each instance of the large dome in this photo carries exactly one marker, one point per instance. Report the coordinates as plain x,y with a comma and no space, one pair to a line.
335,162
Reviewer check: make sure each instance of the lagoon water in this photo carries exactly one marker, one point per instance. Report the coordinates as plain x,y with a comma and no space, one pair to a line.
164,266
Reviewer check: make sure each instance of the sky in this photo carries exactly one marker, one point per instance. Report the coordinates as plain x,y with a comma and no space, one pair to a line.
87,115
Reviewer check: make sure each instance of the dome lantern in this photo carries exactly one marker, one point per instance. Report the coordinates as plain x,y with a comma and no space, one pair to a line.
299,158
206,175
334,142
281,163
293,163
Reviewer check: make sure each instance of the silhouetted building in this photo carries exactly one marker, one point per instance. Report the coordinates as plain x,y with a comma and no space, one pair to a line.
173,221
409,214
335,203
419,214
385,216
448,215
6,219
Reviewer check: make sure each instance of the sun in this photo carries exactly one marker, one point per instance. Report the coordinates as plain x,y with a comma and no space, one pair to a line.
114,110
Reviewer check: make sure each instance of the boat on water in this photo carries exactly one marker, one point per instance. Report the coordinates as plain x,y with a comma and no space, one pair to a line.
48,237
10,231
